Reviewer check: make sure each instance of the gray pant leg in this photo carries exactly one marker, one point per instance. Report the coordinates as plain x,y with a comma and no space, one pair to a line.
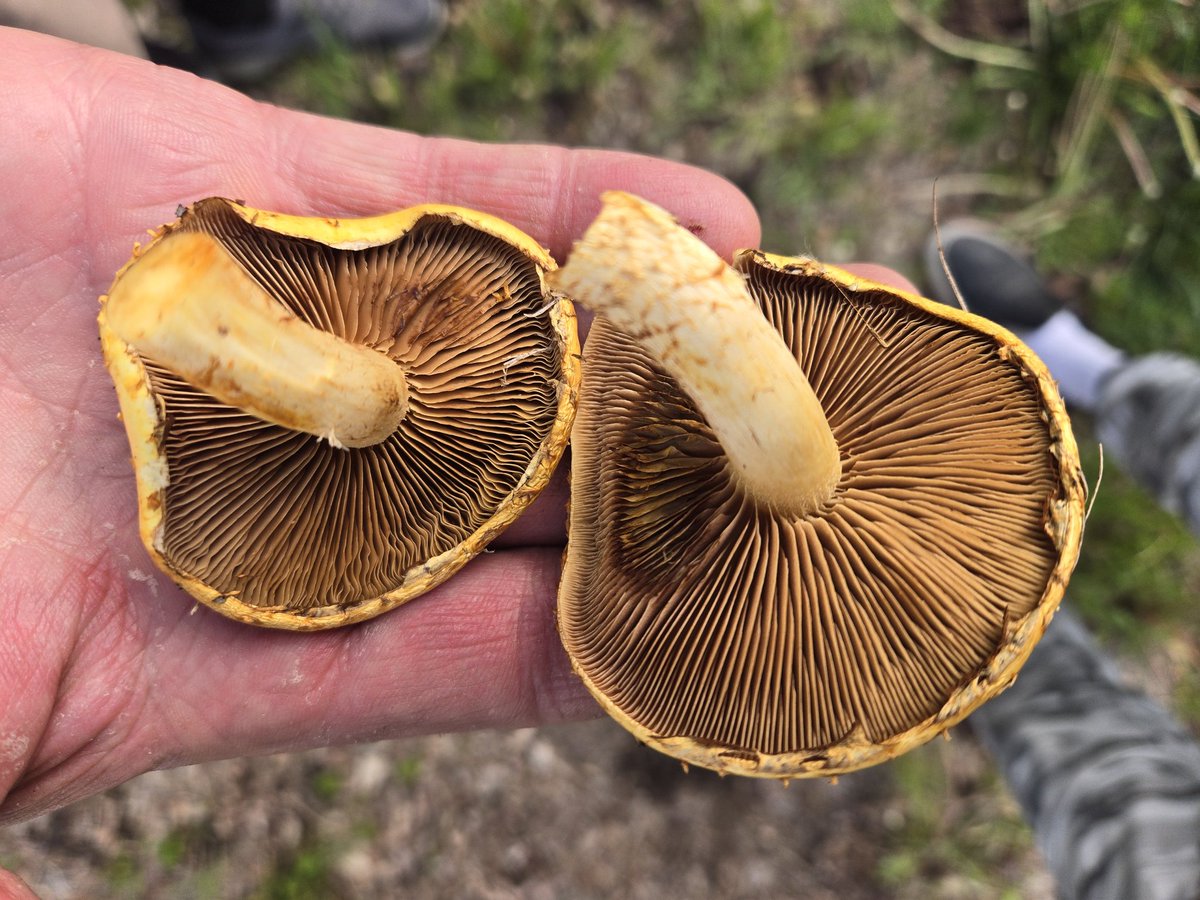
1108,780
1148,419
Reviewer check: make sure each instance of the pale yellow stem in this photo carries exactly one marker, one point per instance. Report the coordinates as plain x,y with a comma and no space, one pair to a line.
187,305
667,290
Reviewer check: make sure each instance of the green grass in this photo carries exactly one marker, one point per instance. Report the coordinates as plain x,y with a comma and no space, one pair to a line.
408,770
326,784
186,847
946,846
303,876
173,849
725,85
124,876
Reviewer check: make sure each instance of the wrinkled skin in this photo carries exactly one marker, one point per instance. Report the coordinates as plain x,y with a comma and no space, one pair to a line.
106,669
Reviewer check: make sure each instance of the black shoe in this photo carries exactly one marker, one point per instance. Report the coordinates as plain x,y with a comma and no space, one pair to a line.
248,53
995,280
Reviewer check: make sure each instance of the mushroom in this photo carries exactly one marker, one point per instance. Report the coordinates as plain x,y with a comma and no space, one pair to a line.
329,417
814,521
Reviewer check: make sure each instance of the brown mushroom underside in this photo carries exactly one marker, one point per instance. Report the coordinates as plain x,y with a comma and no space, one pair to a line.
699,614
460,312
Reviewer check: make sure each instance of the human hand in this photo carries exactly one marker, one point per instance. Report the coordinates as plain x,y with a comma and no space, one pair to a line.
104,671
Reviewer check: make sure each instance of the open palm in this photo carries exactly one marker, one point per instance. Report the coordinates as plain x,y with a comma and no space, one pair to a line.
106,670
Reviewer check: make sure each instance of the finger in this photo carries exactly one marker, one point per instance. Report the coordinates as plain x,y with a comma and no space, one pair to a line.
102,165
13,888
882,275
150,137
480,651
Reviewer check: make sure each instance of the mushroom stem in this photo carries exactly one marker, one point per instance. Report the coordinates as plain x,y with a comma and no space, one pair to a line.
188,305
667,290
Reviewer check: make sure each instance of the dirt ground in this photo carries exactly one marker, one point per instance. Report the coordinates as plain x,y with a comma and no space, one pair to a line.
570,811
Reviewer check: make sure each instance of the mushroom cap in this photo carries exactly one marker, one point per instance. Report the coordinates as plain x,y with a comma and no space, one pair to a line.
741,640
275,527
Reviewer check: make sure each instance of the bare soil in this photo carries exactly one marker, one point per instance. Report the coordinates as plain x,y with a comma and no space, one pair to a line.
569,811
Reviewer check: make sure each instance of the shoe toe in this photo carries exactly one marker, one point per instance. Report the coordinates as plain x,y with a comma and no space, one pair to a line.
994,279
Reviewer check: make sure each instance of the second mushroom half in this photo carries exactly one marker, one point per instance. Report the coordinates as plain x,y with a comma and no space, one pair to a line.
329,417
814,521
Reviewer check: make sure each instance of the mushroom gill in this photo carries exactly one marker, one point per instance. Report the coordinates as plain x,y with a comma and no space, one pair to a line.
263,517
735,636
